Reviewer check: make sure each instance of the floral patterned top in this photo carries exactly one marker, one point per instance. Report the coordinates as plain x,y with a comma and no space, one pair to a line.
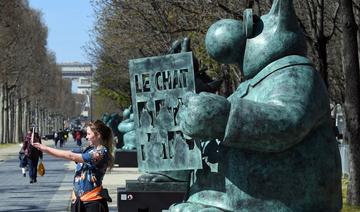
90,174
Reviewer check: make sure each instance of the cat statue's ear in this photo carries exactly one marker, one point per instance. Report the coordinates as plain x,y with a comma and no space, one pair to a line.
276,34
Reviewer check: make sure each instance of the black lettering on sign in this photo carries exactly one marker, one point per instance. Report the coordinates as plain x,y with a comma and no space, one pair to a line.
142,83
138,86
146,82
171,79
164,80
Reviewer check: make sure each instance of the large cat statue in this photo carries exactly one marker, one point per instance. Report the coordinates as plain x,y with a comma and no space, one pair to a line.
277,149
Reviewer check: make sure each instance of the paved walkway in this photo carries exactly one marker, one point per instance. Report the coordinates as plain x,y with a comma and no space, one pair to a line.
52,192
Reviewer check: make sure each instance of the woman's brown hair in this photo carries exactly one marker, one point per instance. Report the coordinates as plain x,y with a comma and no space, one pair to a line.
106,135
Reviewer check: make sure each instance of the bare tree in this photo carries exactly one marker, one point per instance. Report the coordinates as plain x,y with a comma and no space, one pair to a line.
154,25
319,19
24,60
352,97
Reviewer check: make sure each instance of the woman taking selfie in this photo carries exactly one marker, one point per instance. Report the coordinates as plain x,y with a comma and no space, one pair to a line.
92,163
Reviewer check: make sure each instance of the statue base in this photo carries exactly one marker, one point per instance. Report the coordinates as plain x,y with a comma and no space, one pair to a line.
140,196
126,158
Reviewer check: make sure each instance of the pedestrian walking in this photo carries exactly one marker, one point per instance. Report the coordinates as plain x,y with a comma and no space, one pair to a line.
92,163
56,138
23,161
78,136
32,154
61,137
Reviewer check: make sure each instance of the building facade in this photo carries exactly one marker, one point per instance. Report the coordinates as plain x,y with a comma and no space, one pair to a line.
80,75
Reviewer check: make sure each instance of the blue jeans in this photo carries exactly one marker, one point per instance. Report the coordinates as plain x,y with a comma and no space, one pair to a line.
33,162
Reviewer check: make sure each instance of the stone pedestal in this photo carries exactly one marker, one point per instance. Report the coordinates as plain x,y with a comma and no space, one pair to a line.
126,158
150,197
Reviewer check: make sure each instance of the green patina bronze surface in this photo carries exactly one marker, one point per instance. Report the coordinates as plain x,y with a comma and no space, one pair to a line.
112,121
276,148
127,129
158,85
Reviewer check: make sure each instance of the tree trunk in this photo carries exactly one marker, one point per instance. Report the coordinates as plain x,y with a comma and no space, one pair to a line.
357,20
1,114
350,65
46,122
6,114
322,43
25,118
37,115
11,117
323,57
41,121
18,125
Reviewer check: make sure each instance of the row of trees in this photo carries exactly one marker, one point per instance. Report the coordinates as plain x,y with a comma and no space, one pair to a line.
32,90
128,29
132,29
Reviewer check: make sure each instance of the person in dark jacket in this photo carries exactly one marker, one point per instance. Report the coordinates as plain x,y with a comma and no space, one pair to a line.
56,138
33,154
61,134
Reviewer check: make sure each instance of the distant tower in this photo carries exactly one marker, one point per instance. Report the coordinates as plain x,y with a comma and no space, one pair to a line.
80,75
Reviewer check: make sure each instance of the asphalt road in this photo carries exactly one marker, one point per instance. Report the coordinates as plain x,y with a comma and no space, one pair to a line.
50,193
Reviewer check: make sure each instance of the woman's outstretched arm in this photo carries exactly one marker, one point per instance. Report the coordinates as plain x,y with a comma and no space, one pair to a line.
68,155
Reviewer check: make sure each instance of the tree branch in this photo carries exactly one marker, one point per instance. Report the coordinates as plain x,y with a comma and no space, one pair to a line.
332,31
228,10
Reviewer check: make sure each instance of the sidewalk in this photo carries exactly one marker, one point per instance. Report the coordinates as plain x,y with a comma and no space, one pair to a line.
116,178
112,180
8,152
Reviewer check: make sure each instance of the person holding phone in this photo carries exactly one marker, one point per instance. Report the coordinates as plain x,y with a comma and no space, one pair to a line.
32,154
91,165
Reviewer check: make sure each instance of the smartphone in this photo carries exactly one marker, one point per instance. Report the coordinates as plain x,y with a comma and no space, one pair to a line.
32,136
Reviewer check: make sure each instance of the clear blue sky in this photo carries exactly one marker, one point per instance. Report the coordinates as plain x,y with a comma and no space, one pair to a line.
69,23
